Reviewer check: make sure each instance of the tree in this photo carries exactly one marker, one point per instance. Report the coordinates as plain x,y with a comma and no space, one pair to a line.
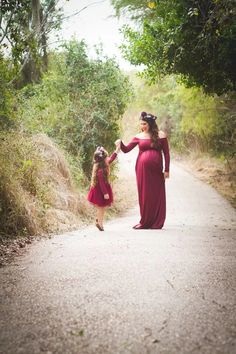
24,29
136,8
79,102
193,38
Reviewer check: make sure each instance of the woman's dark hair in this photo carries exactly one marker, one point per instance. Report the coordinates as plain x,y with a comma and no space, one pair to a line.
153,128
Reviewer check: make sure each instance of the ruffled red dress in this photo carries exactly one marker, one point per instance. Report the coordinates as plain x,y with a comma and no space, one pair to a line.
96,194
150,180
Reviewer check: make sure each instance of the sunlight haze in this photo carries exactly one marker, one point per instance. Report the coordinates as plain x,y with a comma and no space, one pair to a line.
95,24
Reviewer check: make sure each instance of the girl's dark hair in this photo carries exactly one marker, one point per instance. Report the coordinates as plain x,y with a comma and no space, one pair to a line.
153,128
100,154
99,157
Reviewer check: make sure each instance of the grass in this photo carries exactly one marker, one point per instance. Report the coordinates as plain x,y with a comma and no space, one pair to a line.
217,172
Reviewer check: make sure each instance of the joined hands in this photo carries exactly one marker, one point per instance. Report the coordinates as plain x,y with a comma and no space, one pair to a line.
117,144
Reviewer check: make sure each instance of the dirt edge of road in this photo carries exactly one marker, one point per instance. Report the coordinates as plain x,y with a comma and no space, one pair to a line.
219,174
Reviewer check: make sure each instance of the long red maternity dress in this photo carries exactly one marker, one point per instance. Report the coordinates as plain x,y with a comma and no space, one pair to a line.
150,180
96,194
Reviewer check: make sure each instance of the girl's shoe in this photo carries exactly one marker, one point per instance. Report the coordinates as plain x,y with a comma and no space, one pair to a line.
100,228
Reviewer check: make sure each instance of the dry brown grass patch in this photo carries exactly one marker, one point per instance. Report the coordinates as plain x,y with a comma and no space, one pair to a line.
218,173
37,194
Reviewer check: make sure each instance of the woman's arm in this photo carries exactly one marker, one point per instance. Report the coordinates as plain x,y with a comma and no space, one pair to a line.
165,148
130,146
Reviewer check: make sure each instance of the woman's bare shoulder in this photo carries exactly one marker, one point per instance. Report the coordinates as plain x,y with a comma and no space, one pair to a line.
162,134
139,135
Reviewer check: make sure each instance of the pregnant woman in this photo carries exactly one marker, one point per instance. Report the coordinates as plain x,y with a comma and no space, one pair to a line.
153,144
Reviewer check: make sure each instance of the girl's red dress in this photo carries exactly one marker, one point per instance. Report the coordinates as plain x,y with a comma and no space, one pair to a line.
150,180
96,194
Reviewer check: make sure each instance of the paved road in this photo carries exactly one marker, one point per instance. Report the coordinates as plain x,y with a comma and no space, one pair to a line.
129,291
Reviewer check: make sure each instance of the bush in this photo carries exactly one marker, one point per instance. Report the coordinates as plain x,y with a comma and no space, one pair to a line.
6,96
192,119
37,194
79,102
22,193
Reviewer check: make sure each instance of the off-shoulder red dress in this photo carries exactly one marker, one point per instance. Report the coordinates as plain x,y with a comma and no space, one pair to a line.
150,180
96,194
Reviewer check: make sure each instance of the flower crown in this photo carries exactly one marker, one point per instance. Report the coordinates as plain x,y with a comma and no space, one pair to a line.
100,154
147,116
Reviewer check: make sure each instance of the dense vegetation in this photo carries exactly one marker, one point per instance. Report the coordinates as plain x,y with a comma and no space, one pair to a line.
78,103
55,108
201,128
193,38
188,49
193,119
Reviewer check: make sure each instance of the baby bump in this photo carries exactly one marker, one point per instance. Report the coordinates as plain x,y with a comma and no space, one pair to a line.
150,159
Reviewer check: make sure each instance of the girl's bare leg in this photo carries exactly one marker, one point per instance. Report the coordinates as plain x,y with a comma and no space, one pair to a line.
100,215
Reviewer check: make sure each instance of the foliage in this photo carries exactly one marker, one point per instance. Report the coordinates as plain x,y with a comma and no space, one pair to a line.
100,92
193,38
15,33
192,119
137,8
79,102
200,120
24,29
6,96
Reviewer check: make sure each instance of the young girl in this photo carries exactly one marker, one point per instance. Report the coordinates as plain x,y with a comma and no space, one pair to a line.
100,193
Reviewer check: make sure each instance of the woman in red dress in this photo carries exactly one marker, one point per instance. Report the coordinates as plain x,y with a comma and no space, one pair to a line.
100,193
149,172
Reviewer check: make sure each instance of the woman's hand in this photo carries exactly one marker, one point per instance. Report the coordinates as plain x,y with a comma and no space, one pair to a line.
166,175
106,196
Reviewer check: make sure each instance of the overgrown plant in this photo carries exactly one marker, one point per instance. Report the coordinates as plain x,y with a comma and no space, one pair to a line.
24,30
79,102
22,193
193,38
193,119
7,101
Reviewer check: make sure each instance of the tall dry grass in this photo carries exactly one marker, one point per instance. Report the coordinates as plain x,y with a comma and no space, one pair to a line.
37,191
219,173
37,194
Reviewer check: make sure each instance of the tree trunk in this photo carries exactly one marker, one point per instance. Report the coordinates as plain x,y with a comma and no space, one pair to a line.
36,23
31,72
44,40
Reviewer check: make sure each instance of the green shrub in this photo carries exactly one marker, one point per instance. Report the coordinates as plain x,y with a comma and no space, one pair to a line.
79,102
193,119
7,101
